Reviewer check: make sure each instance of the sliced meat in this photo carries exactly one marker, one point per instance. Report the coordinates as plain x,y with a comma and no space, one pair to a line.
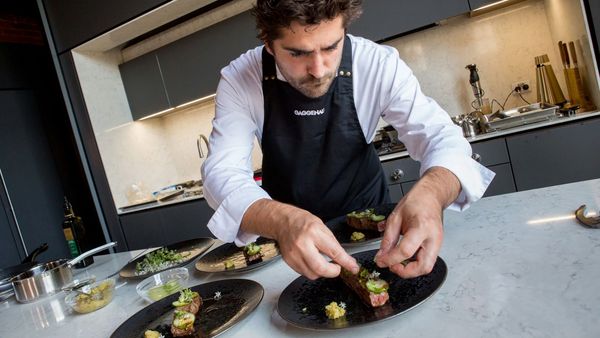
358,286
252,259
192,307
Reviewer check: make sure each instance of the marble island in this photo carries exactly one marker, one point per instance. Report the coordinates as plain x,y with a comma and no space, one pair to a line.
519,265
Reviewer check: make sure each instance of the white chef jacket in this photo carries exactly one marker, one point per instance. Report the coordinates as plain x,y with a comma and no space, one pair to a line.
383,87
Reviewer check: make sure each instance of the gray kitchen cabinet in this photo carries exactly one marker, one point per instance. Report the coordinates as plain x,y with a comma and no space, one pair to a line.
144,86
557,155
397,172
395,191
474,4
191,66
493,154
402,174
165,225
74,22
383,19
503,182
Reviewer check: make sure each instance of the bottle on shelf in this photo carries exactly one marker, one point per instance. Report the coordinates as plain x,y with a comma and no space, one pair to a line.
74,231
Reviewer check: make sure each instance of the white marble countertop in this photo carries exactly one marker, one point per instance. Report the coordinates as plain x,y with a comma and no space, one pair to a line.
519,265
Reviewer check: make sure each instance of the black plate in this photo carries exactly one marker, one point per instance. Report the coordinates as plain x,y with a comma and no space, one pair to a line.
239,297
302,303
342,231
214,261
198,246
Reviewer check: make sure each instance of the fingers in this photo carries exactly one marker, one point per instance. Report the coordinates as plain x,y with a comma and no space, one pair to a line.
329,246
406,248
421,238
423,264
304,254
390,238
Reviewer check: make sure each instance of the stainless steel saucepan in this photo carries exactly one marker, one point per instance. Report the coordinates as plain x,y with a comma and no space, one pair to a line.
49,278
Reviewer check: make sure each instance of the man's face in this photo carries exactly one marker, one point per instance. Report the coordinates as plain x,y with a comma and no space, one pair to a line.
309,56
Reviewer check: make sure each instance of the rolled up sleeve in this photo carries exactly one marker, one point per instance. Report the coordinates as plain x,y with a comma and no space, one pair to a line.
228,183
430,136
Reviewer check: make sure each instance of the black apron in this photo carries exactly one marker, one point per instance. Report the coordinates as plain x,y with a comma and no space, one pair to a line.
315,155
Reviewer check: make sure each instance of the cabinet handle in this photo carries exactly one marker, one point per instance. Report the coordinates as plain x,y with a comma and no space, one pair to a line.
397,174
476,157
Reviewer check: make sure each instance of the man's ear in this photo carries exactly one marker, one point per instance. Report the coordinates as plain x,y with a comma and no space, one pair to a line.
269,48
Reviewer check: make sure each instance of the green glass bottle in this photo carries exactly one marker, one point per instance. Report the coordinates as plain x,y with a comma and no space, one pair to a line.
74,231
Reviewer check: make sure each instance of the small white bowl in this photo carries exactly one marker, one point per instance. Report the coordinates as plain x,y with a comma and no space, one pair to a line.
163,284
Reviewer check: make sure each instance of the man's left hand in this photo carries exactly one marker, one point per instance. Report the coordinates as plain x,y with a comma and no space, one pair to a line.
414,229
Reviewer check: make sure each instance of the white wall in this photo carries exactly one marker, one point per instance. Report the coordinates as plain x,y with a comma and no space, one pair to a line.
162,151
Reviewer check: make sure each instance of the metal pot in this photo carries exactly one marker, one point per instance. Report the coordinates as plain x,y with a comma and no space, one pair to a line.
49,278
7,274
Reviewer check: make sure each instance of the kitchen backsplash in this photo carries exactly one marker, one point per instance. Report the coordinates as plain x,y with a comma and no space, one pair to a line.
162,151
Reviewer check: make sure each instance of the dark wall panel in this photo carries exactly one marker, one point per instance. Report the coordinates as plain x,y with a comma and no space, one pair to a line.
31,177
76,21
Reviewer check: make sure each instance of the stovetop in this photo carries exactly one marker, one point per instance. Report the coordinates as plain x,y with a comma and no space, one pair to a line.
389,148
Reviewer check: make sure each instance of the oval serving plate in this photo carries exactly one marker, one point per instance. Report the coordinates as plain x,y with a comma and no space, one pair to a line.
195,247
238,298
214,261
302,303
342,231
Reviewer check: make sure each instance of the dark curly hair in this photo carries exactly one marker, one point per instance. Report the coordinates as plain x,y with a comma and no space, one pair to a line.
272,15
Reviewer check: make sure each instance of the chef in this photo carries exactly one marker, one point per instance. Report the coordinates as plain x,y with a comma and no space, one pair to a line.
312,95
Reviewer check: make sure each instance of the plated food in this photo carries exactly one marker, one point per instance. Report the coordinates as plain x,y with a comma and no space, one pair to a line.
167,257
368,286
159,260
230,258
375,295
204,310
366,219
360,227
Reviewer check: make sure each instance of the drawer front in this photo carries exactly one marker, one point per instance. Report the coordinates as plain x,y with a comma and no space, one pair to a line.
491,152
401,170
503,182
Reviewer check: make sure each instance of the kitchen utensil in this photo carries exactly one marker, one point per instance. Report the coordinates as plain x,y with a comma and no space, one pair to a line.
563,54
548,90
575,86
92,297
76,285
49,278
239,297
6,274
478,92
160,285
201,138
303,301
519,116
195,247
590,222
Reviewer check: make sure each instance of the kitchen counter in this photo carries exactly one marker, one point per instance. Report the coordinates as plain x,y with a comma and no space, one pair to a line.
391,156
519,265
509,131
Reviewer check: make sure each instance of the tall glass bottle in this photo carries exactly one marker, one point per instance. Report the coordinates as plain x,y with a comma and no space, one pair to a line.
74,231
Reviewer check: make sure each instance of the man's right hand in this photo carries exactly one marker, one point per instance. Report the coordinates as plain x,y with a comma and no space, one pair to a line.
302,238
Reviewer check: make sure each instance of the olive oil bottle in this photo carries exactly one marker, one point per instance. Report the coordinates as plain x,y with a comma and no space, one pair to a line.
74,231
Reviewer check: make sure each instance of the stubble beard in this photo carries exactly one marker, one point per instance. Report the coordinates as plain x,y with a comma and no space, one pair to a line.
311,86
